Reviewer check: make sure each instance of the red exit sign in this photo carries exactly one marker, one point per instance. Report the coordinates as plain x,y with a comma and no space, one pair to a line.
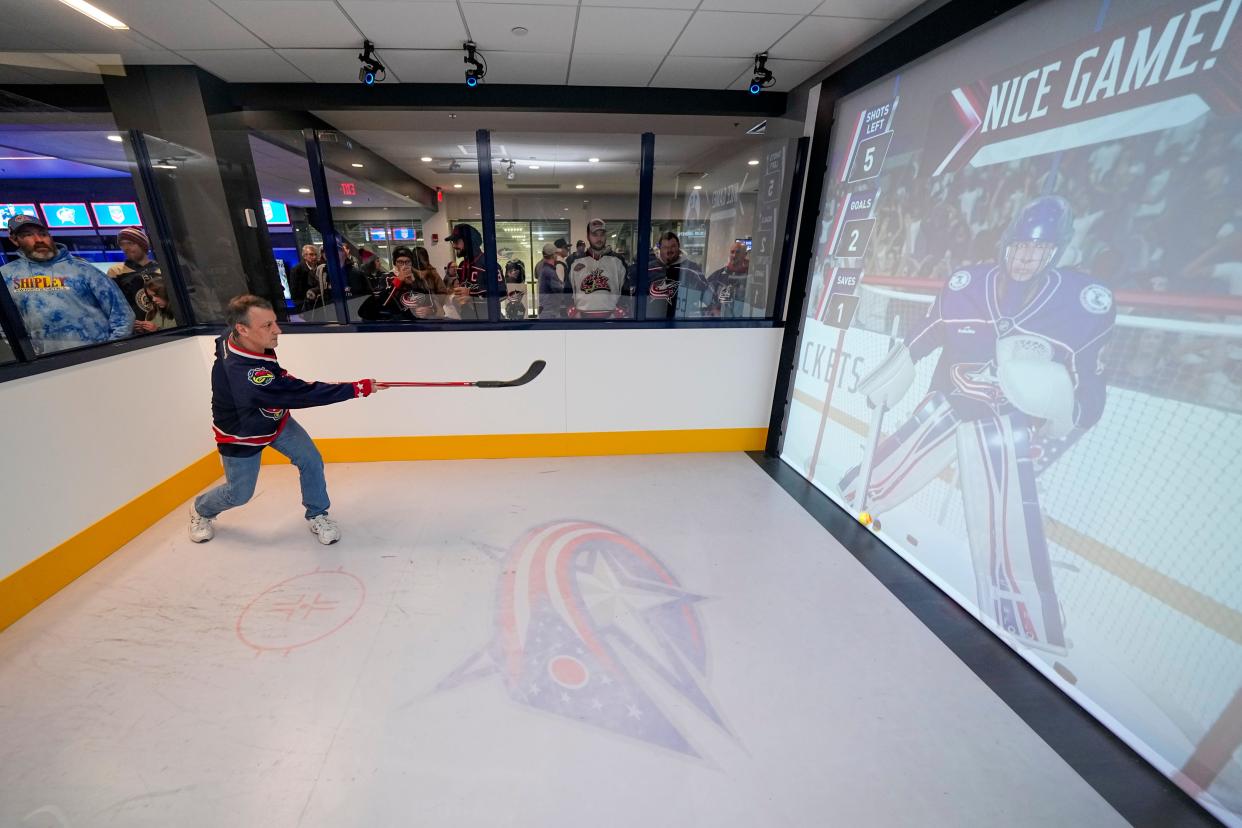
348,188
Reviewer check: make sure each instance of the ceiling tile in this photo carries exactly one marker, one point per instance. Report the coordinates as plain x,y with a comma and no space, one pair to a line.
700,72
334,65
551,27
192,26
825,38
294,23
247,65
591,69
647,4
31,26
735,34
562,3
628,31
526,67
768,6
425,65
790,73
408,25
880,9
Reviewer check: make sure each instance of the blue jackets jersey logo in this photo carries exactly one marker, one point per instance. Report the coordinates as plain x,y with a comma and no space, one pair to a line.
260,376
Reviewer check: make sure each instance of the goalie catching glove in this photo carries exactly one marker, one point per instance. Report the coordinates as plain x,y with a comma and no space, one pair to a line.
890,380
1035,383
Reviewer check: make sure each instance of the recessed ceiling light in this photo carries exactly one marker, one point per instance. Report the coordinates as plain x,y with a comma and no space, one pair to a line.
356,164
593,160
165,166
534,166
116,138
520,31
579,186
754,162
98,15
303,189
566,209
426,159
698,186
347,202
456,186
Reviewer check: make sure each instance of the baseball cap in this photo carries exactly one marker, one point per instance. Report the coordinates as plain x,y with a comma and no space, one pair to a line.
596,224
20,221
561,243
549,249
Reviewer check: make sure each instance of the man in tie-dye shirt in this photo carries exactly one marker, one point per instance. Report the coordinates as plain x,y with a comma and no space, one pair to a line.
63,300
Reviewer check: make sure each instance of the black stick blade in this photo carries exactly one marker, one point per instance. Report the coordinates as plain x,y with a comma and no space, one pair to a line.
533,371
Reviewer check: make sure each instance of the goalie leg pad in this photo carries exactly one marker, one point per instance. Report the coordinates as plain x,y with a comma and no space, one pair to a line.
1004,524
908,459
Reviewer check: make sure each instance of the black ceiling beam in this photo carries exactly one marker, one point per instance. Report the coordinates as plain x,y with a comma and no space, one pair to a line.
41,97
505,97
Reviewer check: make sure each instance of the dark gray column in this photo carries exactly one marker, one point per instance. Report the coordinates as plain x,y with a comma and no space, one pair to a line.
212,196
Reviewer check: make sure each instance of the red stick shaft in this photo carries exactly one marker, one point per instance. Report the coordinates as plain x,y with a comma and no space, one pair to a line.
425,384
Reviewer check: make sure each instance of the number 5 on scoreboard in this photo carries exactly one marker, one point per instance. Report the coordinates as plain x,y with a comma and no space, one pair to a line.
869,157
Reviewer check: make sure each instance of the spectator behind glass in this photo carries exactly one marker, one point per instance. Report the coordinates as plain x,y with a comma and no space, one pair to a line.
412,293
675,285
160,317
302,276
131,275
64,302
580,248
555,292
514,306
467,280
597,277
728,284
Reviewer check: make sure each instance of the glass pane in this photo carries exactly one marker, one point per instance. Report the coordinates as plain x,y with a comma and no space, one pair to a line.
81,270
579,190
293,245
718,213
389,180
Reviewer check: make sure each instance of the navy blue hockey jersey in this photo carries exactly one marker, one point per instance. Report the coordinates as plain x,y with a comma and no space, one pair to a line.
1070,310
251,396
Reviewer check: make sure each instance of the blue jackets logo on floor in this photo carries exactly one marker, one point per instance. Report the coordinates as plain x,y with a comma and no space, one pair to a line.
578,604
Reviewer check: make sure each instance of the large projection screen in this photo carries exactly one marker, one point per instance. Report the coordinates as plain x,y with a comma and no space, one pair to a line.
1022,353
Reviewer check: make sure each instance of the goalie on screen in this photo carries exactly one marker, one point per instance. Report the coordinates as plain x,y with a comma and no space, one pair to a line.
1020,371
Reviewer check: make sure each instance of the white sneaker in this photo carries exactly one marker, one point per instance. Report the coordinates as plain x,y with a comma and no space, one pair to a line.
201,529
326,528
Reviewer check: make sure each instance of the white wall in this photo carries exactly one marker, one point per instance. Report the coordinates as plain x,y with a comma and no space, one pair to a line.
81,442
596,380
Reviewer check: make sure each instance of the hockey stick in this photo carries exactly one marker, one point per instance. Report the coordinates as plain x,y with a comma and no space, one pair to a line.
533,371
873,438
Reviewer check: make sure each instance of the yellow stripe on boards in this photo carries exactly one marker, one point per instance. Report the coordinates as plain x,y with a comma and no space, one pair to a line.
51,572
502,446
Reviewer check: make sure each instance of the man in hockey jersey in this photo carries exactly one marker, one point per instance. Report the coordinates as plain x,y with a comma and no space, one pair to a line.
597,277
133,274
251,396
675,285
1019,377
728,284
468,283
64,301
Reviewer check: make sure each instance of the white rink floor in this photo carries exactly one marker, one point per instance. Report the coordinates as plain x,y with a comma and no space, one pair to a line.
716,660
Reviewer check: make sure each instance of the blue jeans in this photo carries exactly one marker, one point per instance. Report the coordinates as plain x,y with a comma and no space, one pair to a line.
241,473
